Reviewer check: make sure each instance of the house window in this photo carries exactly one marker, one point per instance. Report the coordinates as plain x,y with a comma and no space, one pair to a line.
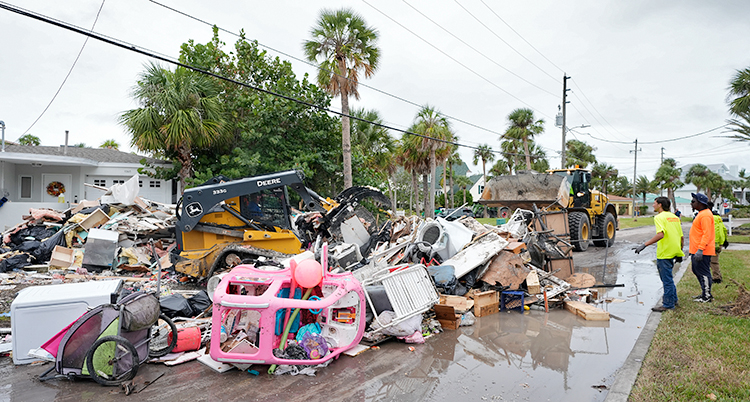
118,181
100,182
25,187
154,184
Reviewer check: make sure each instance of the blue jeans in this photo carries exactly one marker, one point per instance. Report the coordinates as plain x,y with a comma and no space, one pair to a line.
702,270
665,273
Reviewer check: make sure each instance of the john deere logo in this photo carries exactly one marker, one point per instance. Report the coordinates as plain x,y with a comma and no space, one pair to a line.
194,209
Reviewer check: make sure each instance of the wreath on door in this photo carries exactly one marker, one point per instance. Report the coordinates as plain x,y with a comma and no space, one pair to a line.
55,188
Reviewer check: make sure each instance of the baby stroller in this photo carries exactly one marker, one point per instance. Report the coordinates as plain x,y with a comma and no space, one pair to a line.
110,341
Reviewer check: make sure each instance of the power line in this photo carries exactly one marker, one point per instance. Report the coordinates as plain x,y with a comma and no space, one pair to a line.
455,60
323,69
597,110
521,36
69,72
657,142
503,40
476,50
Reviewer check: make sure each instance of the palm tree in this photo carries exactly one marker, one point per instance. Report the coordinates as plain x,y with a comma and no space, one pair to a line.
698,175
510,151
739,93
500,168
179,111
643,186
111,144
602,175
523,127
434,130
579,153
377,146
463,182
414,161
345,46
668,177
453,160
29,139
485,154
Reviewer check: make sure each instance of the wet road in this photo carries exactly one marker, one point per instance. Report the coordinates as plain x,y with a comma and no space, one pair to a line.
532,356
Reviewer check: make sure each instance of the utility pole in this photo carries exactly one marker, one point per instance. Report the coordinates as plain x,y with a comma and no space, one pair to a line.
635,164
661,190
565,94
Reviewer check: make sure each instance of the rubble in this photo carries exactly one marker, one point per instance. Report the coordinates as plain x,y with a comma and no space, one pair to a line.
419,276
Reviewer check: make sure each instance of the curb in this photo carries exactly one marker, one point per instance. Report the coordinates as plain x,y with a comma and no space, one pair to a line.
626,375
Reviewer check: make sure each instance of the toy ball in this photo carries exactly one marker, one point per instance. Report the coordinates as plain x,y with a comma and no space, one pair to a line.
308,273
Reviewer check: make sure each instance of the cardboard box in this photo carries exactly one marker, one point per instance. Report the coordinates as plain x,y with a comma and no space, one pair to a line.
447,316
62,257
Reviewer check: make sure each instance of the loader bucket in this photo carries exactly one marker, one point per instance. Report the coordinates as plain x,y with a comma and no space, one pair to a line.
526,189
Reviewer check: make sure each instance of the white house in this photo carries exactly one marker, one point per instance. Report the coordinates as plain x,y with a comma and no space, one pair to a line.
726,173
28,172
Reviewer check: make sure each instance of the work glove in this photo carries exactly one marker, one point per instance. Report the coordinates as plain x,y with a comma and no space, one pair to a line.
639,248
678,259
726,244
698,254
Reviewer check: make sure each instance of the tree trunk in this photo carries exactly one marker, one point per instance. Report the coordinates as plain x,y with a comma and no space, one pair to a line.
426,200
187,165
433,175
346,140
526,151
484,179
445,183
453,203
670,195
415,191
392,188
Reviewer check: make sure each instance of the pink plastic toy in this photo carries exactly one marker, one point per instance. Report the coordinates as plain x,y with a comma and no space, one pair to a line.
247,300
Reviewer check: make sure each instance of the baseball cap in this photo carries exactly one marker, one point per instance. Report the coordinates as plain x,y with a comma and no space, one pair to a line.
700,198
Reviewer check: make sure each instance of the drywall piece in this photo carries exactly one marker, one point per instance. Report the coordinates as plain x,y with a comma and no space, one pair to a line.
476,253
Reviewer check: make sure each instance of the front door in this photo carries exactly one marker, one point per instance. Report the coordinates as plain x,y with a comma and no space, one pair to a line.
50,182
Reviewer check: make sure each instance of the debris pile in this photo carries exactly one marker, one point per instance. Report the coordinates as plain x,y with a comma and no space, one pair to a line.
414,278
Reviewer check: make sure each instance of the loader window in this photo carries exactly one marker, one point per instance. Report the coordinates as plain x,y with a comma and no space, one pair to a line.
268,206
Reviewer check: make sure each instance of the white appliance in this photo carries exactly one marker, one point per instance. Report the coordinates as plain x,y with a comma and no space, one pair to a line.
39,312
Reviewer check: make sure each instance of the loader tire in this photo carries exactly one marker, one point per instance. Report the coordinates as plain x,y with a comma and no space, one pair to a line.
580,230
606,228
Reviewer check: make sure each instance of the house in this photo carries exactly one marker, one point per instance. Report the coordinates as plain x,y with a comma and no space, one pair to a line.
30,176
726,173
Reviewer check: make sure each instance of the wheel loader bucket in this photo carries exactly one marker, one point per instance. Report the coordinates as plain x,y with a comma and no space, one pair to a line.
526,189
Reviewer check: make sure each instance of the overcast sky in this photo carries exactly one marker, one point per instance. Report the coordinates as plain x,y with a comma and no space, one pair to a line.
652,71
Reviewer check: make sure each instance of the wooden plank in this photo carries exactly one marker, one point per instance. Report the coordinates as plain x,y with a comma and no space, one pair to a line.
532,283
447,316
487,309
516,247
586,311
460,304
489,297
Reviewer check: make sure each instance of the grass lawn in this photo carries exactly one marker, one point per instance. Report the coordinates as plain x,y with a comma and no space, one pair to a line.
699,352
644,221
738,239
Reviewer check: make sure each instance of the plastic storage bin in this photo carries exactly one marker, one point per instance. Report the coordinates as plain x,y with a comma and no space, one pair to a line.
511,299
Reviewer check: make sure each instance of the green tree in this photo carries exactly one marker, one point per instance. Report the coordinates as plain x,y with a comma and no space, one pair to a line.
622,187
415,161
268,133
453,160
539,160
644,186
668,177
29,139
110,144
523,126
739,92
699,176
377,149
464,183
179,111
500,168
345,46
602,176
434,130
485,154
579,153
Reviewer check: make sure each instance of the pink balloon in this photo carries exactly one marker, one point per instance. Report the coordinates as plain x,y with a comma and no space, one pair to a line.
308,273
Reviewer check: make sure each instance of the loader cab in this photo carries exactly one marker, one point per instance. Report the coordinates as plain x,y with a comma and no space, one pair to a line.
579,180
267,206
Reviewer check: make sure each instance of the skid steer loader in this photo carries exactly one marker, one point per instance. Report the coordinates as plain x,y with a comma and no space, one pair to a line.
224,222
590,215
